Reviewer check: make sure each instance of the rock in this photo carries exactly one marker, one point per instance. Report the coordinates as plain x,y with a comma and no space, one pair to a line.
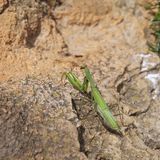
3,5
42,119
32,125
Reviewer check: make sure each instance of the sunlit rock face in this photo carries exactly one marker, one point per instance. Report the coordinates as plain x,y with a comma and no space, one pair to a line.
41,116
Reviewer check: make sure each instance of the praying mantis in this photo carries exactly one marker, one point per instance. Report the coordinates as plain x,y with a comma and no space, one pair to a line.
100,105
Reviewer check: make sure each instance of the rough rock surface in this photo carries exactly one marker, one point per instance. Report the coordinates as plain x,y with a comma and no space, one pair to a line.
39,118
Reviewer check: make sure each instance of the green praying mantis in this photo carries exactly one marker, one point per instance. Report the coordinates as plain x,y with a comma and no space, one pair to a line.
100,105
